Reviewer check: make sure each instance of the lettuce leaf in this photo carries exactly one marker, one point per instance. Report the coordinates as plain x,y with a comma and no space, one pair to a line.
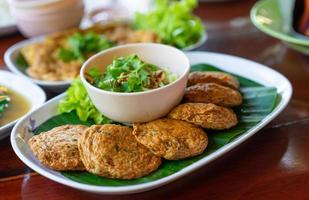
77,100
173,21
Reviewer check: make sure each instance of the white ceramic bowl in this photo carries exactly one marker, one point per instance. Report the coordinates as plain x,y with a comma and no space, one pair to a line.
139,106
34,94
41,19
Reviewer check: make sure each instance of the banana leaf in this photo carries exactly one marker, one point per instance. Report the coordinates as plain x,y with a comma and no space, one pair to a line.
259,101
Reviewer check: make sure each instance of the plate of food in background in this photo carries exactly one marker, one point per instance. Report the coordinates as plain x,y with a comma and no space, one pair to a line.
285,20
222,102
53,61
17,98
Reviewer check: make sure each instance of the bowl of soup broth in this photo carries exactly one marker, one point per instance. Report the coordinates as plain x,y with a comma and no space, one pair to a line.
18,96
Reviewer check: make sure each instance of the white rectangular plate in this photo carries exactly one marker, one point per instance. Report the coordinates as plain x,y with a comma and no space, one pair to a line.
236,65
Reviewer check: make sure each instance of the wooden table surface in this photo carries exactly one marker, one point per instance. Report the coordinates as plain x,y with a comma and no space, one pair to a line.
273,164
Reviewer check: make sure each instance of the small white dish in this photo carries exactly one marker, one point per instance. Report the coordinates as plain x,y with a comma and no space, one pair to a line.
139,106
249,69
34,94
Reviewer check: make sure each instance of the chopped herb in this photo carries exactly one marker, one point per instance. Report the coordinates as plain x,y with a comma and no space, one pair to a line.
81,46
130,74
4,99
21,61
66,55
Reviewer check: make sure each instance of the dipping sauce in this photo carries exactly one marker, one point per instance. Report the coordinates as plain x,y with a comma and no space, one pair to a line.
18,106
130,74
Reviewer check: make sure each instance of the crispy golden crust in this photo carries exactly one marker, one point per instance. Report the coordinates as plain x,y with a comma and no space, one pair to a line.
213,77
205,115
213,93
171,139
112,151
57,148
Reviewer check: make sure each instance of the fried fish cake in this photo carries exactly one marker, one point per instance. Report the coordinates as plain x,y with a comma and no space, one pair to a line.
213,93
57,148
205,115
112,151
220,78
171,139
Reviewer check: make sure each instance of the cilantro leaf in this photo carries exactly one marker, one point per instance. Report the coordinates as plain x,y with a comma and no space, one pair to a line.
21,61
82,46
4,99
66,55
130,74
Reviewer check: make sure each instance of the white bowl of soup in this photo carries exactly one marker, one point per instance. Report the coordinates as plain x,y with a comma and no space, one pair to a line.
23,95
136,99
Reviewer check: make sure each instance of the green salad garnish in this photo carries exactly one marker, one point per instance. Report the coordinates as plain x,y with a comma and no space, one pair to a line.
4,99
173,21
82,46
130,74
77,99
21,61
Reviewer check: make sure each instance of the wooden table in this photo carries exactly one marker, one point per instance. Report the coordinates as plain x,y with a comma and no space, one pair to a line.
274,164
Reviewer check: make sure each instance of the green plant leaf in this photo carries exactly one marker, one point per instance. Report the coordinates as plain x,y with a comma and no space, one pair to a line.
173,21
259,101
66,55
21,61
81,46
77,100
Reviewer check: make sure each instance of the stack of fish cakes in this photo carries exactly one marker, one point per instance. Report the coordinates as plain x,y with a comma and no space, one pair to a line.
208,101
209,98
116,151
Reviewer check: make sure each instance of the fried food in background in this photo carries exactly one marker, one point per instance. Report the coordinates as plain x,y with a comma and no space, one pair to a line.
220,78
205,115
44,63
123,33
57,148
171,139
113,152
213,93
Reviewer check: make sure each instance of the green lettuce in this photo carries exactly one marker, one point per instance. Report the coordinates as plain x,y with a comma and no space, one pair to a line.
173,21
77,100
